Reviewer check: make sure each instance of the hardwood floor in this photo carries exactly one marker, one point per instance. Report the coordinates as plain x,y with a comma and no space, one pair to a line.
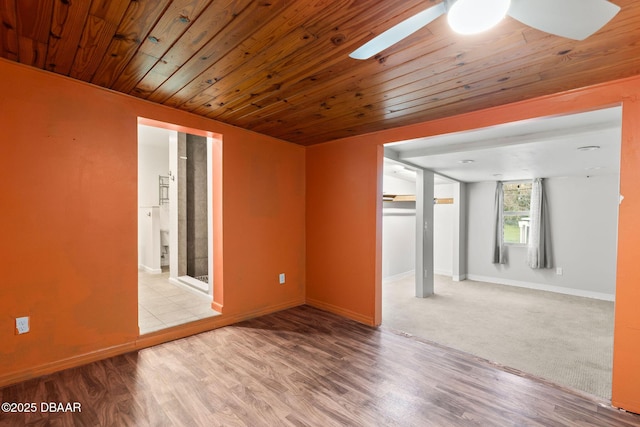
302,367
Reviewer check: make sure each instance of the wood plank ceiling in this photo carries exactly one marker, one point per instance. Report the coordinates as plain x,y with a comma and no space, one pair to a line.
281,67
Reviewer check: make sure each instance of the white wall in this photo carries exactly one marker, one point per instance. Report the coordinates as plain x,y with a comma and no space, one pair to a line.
398,229
153,161
393,185
583,216
443,231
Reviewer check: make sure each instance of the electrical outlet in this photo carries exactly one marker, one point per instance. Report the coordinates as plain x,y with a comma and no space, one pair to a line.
281,278
22,325
559,271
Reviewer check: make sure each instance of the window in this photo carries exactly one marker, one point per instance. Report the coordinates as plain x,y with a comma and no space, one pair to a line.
516,208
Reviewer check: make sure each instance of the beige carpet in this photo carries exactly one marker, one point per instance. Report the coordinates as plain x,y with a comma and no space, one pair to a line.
562,338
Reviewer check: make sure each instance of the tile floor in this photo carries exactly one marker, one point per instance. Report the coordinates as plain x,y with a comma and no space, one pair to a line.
162,304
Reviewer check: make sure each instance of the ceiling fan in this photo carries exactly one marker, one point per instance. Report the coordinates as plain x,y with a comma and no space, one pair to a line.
573,19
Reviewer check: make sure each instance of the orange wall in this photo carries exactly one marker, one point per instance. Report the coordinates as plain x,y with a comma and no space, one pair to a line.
68,164
342,219
344,198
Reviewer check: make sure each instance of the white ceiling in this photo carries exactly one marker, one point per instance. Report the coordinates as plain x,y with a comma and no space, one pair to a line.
538,148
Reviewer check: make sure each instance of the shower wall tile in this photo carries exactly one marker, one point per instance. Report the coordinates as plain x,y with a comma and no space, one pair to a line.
197,215
202,266
182,204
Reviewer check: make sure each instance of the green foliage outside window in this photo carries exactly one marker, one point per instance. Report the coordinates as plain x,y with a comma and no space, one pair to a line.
517,203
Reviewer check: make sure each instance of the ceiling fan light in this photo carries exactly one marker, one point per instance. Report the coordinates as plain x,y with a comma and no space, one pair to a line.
476,16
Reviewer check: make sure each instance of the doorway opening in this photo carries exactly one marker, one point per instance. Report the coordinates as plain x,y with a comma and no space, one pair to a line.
175,227
568,308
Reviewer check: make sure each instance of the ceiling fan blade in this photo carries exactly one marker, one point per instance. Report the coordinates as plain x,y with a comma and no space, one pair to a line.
573,19
394,34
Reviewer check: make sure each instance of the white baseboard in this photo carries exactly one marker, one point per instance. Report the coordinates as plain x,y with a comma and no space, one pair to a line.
443,273
543,287
406,274
149,269
398,276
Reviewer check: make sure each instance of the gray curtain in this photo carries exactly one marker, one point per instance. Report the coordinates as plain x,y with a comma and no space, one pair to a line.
499,254
539,251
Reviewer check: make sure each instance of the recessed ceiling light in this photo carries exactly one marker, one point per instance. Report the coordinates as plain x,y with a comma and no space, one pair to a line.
594,168
589,148
466,162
